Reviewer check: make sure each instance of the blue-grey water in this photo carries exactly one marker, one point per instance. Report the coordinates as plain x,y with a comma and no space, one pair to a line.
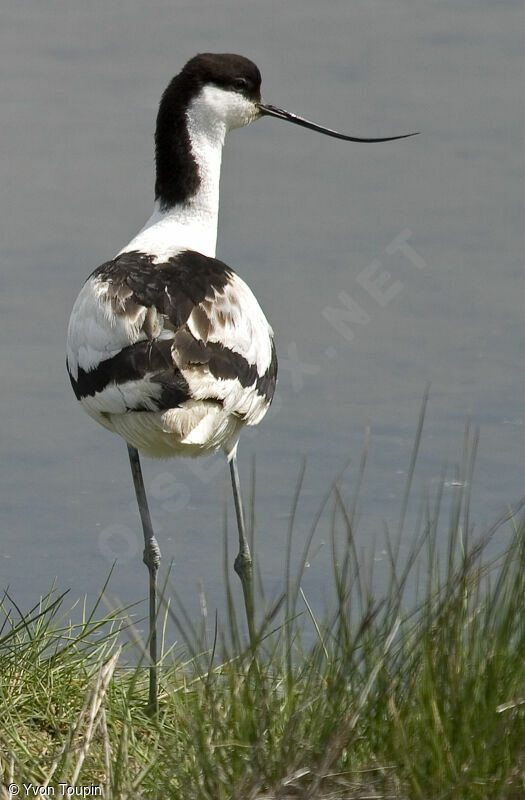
381,268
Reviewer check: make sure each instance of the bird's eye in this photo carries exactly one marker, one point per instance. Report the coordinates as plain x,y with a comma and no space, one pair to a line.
240,83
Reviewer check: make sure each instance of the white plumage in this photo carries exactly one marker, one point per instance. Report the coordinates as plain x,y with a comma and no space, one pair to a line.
231,318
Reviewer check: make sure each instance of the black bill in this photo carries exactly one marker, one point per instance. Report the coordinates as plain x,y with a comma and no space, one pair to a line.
273,111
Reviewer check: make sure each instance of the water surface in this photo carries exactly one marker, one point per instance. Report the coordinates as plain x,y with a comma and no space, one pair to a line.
381,268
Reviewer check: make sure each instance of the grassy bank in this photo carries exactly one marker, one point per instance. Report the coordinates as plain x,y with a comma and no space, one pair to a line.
414,692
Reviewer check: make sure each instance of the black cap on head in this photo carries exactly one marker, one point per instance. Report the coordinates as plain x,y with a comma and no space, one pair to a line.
177,172
227,70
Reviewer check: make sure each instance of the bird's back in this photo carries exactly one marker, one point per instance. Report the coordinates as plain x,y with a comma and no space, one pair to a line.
175,356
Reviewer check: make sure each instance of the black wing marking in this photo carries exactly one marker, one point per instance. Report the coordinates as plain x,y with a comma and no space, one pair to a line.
173,287
144,360
170,291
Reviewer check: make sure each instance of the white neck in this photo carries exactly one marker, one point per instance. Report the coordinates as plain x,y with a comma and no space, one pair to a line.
191,225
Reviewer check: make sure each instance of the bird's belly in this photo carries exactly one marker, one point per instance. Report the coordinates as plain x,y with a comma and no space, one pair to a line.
198,428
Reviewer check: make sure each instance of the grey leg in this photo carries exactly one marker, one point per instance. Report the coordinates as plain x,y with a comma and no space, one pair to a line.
152,560
243,562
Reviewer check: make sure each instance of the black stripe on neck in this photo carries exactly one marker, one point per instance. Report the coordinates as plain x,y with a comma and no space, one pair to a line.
178,176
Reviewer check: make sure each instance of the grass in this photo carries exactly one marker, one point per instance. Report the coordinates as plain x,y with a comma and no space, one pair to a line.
417,691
